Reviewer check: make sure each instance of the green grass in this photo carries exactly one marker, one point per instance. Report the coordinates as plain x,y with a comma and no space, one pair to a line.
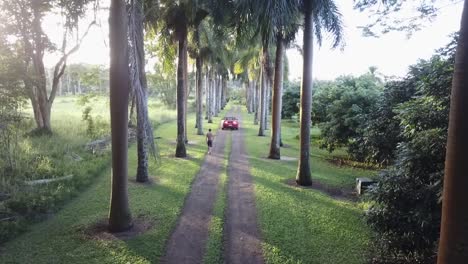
322,169
45,157
303,225
214,248
62,239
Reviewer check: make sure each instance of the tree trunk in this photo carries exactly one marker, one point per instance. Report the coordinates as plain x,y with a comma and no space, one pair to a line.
132,109
257,99
247,95
140,88
79,85
210,97
186,94
453,245
142,146
277,98
223,92
181,152
207,91
264,74
68,82
225,89
304,176
199,65
119,215
216,94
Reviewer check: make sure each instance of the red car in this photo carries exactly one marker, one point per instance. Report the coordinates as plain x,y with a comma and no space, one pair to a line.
230,122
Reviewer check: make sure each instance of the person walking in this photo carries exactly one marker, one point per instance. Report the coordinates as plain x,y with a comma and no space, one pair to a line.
209,140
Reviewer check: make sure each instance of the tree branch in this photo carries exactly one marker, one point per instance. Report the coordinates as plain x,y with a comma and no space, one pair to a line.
61,65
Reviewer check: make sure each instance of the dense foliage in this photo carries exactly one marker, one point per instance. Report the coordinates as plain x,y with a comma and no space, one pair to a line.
342,107
291,97
406,206
377,140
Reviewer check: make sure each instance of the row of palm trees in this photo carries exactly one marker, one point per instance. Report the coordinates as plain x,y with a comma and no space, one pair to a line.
270,23
274,25
186,25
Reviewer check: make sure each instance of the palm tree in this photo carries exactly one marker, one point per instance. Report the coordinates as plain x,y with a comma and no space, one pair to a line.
179,17
119,215
139,87
286,29
277,90
326,15
453,243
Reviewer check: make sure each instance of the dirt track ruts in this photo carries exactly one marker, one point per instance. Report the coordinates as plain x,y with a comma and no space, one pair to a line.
188,240
242,236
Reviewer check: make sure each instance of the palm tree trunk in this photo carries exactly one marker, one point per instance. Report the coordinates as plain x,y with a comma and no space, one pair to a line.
210,96
216,95
257,99
199,95
263,93
246,84
140,90
207,91
181,152
132,109
223,88
304,176
119,215
142,145
453,245
276,118
186,94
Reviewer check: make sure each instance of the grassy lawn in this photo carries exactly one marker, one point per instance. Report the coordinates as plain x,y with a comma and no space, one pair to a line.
62,238
58,155
303,225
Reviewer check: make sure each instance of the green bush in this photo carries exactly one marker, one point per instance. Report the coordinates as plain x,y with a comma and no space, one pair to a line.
345,104
377,140
406,209
291,99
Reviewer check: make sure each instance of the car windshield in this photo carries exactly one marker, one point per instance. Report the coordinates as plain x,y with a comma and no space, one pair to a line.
230,118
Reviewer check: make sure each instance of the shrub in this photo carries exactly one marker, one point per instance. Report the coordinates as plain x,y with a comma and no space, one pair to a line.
346,104
406,209
291,99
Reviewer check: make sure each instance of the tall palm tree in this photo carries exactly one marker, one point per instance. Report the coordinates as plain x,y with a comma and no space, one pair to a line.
119,215
326,16
139,87
286,28
277,102
177,18
453,245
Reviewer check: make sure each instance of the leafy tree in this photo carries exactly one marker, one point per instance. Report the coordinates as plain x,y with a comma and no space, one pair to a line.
291,99
378,140
348,101
409,191
455,206
25,24
12,97
163,86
